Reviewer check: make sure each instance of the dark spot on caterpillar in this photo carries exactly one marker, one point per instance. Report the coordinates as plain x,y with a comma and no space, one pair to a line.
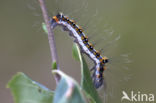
72,22
97,54
85,40
101,69
79,31
105,60
73,25
68,21
65,19
90,47
87,45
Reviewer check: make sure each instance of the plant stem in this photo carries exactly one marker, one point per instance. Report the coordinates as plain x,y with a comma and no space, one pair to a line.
52,44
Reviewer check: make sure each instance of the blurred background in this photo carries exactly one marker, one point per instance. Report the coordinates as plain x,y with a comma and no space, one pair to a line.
24,46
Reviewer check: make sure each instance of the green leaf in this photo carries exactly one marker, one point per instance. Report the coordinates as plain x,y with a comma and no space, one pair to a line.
44,28
89,98
86,80
54,65
75,52
25,90
67,91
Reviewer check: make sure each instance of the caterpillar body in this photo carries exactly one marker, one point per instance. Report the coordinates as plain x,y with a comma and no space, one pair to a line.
82,40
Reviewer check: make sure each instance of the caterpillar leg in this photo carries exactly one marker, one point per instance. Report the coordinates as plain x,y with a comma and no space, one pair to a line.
64,28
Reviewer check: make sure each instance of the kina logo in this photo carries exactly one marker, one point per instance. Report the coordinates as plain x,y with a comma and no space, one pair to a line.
137,97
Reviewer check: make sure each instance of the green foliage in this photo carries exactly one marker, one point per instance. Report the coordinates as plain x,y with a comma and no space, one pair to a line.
54,65
75,52
26,90
44,28
67,91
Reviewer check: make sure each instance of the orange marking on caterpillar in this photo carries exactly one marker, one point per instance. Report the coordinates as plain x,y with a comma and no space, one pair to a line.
55,18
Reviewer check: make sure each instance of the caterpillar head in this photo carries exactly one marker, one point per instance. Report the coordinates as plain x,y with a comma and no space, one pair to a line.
56,19
59,15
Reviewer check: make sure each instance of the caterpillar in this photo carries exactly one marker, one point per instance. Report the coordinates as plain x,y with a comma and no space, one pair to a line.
82,40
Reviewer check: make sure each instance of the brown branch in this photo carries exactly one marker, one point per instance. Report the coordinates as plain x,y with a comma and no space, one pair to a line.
52,44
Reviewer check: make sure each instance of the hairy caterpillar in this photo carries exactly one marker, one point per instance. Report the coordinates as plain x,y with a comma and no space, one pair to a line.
82,40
